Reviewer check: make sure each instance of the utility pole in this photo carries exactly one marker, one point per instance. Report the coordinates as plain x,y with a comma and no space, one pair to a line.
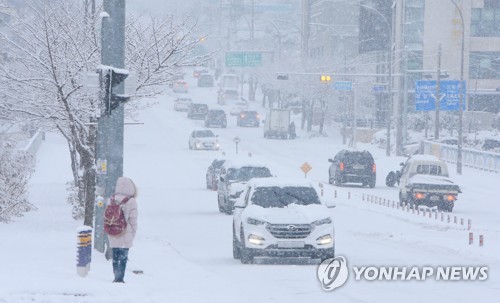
389,102
252,24
304,49
110,130
355,118
401,80
438,94
405,100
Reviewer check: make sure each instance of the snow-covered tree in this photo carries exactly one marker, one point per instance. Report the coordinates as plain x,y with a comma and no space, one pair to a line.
16,168
51,44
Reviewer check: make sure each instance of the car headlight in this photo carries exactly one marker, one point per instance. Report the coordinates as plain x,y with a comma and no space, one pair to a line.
322,222
256,240
324,240
255,221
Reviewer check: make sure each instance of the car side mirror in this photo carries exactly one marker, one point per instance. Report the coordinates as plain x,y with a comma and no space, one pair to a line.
221,179
401,164
239,203
330,160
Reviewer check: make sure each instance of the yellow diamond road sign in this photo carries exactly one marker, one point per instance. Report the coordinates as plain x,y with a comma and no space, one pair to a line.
306,167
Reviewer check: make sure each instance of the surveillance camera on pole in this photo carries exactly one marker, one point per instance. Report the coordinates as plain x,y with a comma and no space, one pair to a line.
111,77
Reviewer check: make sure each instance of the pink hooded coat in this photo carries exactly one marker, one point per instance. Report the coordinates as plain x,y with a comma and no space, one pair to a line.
125,187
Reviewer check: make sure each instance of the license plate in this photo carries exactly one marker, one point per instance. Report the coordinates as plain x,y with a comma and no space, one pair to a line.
208,144
434,198
290,244
357,166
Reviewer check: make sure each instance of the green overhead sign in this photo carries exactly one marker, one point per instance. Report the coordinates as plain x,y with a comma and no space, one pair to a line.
243,59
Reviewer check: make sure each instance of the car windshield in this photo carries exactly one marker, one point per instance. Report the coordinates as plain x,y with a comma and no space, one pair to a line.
200,108
279,197
216,113
231,93
357,158
248,172
205,133
218,164
429,169
249,114
489,143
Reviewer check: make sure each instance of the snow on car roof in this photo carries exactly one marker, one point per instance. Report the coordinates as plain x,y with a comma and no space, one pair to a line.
237,163
430,179
425,158
280,182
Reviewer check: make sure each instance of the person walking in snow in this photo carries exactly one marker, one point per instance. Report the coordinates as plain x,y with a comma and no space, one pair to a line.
125,193
291,131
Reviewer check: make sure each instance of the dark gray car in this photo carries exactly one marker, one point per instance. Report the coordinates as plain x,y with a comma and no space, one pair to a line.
352,167
231,182
213,172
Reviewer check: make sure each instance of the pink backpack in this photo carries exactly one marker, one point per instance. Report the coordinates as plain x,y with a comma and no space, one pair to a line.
114,218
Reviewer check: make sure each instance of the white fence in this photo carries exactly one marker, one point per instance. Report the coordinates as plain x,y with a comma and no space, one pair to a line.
34,143
474,158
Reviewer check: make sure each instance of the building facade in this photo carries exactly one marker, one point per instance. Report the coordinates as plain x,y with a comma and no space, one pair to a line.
337,31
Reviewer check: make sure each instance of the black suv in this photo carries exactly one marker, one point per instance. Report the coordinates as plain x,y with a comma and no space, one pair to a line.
232,179
491,144
213,172
216,117
248,118
197,111
205,80
352,167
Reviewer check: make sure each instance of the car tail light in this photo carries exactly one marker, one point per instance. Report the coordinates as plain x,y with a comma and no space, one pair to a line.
374,168
450,197
341,166
419,196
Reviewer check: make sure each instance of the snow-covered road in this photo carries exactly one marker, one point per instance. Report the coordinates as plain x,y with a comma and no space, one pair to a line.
184,243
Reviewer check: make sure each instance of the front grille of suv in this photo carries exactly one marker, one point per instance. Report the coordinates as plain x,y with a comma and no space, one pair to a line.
290,231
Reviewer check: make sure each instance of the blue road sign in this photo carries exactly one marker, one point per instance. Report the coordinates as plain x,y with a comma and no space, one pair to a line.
342,85
378,89
425,95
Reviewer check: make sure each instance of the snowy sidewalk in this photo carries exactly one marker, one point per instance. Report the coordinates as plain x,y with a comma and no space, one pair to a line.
38,255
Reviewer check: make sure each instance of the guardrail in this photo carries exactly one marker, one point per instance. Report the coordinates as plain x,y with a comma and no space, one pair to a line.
34,143
474,158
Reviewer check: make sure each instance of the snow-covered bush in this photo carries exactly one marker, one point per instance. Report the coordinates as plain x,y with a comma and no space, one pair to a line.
16,168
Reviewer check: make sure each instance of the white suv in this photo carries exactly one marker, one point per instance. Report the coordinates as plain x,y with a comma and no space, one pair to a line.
282,218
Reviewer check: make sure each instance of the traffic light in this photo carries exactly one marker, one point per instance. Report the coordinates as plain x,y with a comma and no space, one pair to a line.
325,78
111,78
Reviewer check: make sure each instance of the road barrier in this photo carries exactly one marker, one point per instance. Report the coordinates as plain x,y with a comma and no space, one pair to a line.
473,158
424,212
84,250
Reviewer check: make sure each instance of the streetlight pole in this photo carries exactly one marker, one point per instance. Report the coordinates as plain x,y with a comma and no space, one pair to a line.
389,102
461,91
438,95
